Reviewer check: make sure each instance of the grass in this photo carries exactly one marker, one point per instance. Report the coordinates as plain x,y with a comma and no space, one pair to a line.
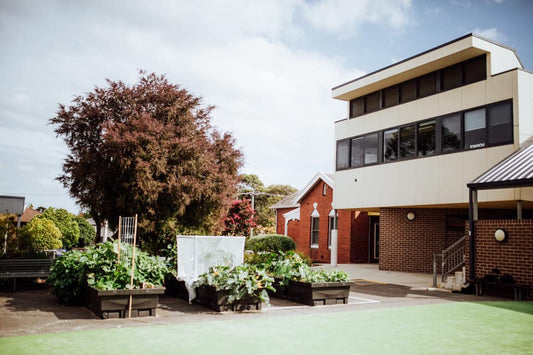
451,328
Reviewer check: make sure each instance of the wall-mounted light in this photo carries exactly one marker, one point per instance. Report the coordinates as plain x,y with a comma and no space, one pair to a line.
410,216
500,235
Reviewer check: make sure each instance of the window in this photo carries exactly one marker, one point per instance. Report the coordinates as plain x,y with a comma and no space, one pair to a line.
451,133
407,142
426,138
357,107
314,231
475,70
500,123
427,85
324,189
371,149
475,132
390,145
358,152
452,77
372,102
343,154
408,91
391,96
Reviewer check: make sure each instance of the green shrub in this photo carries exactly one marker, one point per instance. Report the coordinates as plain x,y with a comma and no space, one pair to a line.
70,232
272,243
87,232
98,267
38,235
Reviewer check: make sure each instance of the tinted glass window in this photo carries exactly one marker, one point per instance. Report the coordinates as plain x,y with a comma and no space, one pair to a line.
407,142
314,230
372,102
427,85
500,121
357,107
391,96
371,148
358,153
475,70
426,138
451,77
408,91
390,145
475,132
451,133
343,154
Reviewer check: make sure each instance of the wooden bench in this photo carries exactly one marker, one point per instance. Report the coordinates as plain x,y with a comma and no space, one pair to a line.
485,287
24,268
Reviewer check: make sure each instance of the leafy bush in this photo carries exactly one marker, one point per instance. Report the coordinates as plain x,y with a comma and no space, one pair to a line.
70,232
87,232
38,235
272,243
240,281
98,267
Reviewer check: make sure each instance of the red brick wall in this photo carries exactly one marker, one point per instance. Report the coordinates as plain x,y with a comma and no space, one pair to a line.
280,220
410,245
513,256
359,240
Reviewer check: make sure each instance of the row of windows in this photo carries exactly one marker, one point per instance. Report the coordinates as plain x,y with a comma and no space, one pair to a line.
477,128
315,222
451,77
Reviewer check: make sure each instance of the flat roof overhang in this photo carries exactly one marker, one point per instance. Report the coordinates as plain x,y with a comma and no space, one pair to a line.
458,50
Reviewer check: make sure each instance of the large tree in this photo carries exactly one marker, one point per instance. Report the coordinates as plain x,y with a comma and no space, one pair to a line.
148,149
264,197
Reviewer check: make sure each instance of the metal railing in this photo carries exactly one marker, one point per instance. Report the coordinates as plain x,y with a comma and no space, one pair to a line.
452,258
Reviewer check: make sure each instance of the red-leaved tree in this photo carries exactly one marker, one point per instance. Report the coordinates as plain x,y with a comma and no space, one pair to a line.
240,218
148,149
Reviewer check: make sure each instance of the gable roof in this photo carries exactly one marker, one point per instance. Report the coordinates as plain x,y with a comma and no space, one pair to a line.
326,177
287,202
28,214
514,171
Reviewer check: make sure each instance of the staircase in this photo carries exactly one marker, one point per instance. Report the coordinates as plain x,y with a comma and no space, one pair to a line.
452,266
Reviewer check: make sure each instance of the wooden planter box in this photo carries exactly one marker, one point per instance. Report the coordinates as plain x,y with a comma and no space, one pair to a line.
115,303
175,288
319,293
281,290
217,300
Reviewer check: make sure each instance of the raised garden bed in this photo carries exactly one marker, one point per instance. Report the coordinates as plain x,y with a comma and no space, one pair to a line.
281,290
115,303
319,293
218,300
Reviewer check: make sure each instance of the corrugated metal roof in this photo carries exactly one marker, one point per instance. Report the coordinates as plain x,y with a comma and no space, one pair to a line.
514,171
287,202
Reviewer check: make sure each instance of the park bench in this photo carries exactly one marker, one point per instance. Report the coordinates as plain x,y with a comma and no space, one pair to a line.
24,268
500,286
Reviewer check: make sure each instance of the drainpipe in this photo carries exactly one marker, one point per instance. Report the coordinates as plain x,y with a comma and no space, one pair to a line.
472,216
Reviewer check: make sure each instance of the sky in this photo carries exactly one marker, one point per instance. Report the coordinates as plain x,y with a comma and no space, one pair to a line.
267,66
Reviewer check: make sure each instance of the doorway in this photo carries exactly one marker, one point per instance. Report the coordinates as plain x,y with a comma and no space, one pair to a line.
373,235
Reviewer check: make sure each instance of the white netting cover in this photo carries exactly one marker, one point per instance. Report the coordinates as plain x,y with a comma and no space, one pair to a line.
196,254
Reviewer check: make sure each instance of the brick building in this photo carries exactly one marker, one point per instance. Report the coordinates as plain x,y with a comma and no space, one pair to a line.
417,133
307,217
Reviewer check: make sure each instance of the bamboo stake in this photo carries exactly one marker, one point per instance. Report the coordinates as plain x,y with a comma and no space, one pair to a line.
119,230
132,263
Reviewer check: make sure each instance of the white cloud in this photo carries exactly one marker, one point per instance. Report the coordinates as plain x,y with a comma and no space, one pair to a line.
345,17
491,33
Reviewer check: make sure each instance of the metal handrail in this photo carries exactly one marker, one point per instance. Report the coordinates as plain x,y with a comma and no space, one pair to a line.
452,258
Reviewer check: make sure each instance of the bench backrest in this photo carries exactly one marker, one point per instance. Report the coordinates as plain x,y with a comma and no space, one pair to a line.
25,265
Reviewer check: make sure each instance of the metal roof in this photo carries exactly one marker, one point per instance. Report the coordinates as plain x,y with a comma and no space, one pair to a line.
287,202
514,171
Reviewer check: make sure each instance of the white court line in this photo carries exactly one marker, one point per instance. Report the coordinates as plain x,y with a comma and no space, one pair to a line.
361,301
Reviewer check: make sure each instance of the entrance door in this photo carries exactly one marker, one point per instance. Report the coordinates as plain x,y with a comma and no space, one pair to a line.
373,235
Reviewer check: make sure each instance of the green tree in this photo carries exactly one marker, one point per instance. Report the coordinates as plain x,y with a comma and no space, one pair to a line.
264,197
87,232
40,234
64,220
148,149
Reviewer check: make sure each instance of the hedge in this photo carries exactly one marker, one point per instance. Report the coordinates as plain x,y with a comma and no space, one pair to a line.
272,243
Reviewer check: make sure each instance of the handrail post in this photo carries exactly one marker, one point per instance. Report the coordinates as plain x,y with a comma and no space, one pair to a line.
434,269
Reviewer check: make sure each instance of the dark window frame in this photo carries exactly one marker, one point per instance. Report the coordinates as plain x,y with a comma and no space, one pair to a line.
315,232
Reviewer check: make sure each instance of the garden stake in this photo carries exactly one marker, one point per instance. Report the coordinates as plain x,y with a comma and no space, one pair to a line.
132,264
119,229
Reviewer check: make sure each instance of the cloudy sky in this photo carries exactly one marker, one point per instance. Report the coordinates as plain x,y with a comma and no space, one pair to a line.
268,66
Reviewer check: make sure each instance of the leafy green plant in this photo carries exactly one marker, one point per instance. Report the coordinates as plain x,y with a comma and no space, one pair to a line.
241,281
38,235
98,267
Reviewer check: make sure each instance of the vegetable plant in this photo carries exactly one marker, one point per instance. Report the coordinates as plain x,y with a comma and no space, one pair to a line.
241,281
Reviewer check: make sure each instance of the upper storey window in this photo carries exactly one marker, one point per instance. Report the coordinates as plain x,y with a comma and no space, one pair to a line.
448,78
